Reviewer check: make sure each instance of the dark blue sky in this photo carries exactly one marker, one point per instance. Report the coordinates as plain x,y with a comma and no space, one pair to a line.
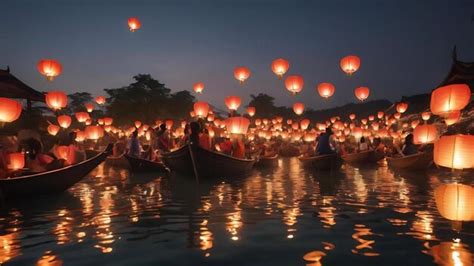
405,46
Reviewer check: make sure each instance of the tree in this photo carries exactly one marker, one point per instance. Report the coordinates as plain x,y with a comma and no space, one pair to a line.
264,104
78,100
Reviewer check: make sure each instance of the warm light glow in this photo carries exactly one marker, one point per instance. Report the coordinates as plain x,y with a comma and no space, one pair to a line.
298,108
350,64
450,98
80,136
237,125
304,124
137,123
53,130
452,118
201,109
108,121
241,74
10,110
326,90
64,121
362,93
94,132
62,152
454,151
49,68
16,161
232,102
424,134
89,107
198,87
425,116
352,116
134,24
455,201
402,107
56,100
280,66
82,117
251,111
294,84
100,100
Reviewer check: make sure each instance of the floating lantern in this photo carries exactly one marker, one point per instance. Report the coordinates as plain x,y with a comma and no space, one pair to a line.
424,134
357,132
169,124
62,152
258,122
100,100
402,107
89,107
49,68
201,109
64,121
94,132
237,125
454,151
352,116
397,115
425,116
455,201
371,117
53,130
134,24
137,123
380,115
350,64
80,136
280,66
362,93
16,161
326,90
210,117
198,87
304,124
452,118
251,111
82,117
449,98
108,121
241,74
414,123
10,110
56,100
375,126
298,108
232,102
294,84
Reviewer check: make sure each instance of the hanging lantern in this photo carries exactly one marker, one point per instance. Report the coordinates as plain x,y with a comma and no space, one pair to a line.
134,24
10,110
362,93
402,107
425,116
454,151
201,109
137,123
251,111
298,108
108,121
56,100
82,117
49,68
304,124
294,84
326,90
241,74
94,132
424,134
64,121
450,98
198,87
280,66
237,125
232,102
350,64
100,100
455,201
452,118
16,161
80,136
89,107
53,130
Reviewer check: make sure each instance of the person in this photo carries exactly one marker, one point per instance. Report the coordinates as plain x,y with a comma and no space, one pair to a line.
204,140
324,143
363,146
134,148
409,148
37,161
185,138
378,145
163,140
194,135
225,146
238,147
75,154
7,146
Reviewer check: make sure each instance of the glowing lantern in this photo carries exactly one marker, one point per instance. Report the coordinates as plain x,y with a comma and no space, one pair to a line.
326,90
294,84
454,151
258,122
455,201
53,130
450,98
89,107
364,121
100,100
280,66
80,136
425,116
201,109
108,121
352,116
82,117
251,111
134,24
289,121
380,115
241,74
62,152
137,123
232,102
452,118
56,100
198,87
237,125
350,64
383,133
402,107
397,115
357,132
10,110
414,123
64,121
210,117
371,118
49,68
304,124
375,126
88,122
362,93
298,108
169,124
424,134
94,132
16,161
192,114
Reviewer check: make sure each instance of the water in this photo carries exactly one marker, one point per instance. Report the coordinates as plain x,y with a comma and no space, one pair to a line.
272,217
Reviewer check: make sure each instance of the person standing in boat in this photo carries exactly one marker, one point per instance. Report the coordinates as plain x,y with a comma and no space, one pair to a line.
134,148
363,145
324,143
238,147
205,140
409,148
163,140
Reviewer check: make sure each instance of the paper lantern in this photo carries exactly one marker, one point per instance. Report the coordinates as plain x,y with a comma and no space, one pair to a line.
326,90
357,132
362,93
414,123
94,132
280,66
251,111
89,107
375,126
258,122
56,100
49,68
454,151
241,74
198,87
352,116
80,136
455,201
294,84
397,115
82,117
452,118
298,108
380,115
137,123
108,121
425,116
350,64
424,134
402,107
169,124
232,102
62,152
53,130
10,110
450,98
64,121
134,24
237,125
16,161
201,109
210,117
304,124
100,100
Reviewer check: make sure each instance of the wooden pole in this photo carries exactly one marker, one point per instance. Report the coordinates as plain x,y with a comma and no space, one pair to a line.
193,161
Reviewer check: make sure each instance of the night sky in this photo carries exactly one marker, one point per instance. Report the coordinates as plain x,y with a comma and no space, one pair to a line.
405,46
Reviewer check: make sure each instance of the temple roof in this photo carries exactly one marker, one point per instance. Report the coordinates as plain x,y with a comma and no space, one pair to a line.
11,87
460,72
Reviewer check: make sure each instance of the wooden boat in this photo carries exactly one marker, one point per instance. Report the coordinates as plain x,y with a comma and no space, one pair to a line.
117,161
376,156
322,162
48,182
267,161
358,158
206,163
143,165
419,161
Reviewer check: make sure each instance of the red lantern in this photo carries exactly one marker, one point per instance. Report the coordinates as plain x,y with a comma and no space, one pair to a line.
94,132
424,134
357,132
237,125
53,130
402,107
137,123
62,152
362,93
452,118
10,110
80,136
201,109
241,74
294,84
350,64
198,87
82,117
298,108
134,24
280,66
304,124
455,201
64,121
232,102
397,115
108,121
16,161
425,116
352,116
49,68
56,100
89,107
454,151
380,115
100,100
450,98
415,123
251,111
169,124
326,90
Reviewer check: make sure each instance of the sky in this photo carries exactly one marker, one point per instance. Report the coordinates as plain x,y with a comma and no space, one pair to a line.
405,45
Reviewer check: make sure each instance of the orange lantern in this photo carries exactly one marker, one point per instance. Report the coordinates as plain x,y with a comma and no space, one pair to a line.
326,90
62,152
375,126
251,111
383,133
82,117
169,124
94,132
450,98
352,116
304,124
56,100
298,108
350,64
454,151
49,68
53,130
201,109
280,66
89,107
16,161
137,123
294,84
198,87
64,121
80,136
414,123
455,201
10,110
232,102
134,24
424,134
241,74
425,116
397,115
371,117
237,125
402,107
362,93
108,121
192,114
210,117
452,118
380,114
100,100
357,132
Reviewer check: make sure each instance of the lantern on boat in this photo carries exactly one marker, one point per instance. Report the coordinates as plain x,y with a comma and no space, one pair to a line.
241,74
280,66
94,132
53,129
304,124
62,152
298,108
424,134
362,93
454,151
134,24
402,107
82,117
326,90
108,121
232,102
452,118
89,107
237,125
450,98
455,201
294,84
64,121
56,100
16,161
80,136
100,100
198,87
169,124
201,109
137,123
425,116
10,110
251,111
350,64
49,68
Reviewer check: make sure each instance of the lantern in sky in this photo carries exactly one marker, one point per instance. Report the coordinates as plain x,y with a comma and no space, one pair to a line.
134,24
251,111
414,123
62,152
304,124
450,98
80,136
452,118
237,125
425,116
198,87
100,100
362,93
397,115
455,201
280,66
53,130
352,116
82,117
169,124
241,74
454,151
89,107
380,114
64,121
294,84
56,100
49,68
357,132
137,123
16,161
350,64
298,108
326,90
201,109
10,110
108,121
232,102
94,132
424,134
402,107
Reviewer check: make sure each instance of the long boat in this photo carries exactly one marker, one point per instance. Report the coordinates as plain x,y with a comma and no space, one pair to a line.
322,162
419,161
54,181
143,165
202,163
358,157
271,161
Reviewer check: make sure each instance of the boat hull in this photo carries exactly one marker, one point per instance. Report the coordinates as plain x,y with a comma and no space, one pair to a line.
267,161
419,161
358,158
322,162
142,165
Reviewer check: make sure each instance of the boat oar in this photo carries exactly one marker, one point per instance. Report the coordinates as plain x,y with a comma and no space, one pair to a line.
193,161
